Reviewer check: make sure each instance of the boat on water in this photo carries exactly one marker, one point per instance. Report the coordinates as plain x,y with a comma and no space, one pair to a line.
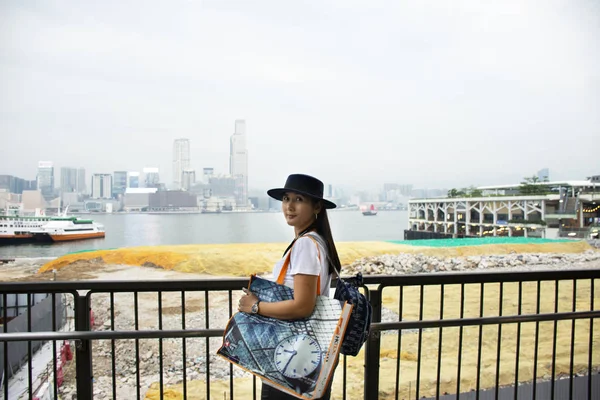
212,210
15,229
63,229
370,212
217,211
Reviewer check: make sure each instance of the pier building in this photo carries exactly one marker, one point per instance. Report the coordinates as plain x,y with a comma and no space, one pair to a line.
561,209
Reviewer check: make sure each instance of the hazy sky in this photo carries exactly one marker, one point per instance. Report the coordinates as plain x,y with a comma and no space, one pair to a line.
434,93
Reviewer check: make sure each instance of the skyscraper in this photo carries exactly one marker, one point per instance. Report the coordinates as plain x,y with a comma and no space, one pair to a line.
16,185
544,175
68,179
238,162
119,183
188,179
151,177
81,186
101,186
181,160
45,178
133,179
207,173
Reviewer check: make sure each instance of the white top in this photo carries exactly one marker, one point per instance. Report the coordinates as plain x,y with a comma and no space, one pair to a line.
305,260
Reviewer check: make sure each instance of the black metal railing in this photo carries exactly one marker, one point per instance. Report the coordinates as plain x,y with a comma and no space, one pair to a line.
432,335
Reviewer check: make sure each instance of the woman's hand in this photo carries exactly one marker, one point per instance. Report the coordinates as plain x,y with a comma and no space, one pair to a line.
247,301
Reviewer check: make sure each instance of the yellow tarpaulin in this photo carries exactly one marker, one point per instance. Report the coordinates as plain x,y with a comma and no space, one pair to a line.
245,259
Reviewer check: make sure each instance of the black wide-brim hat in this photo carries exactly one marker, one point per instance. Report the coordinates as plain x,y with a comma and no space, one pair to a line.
302,184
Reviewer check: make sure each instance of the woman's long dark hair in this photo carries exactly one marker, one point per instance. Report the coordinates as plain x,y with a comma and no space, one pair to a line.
323,228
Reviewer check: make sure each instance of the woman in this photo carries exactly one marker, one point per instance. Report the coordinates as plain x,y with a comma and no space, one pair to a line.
310,267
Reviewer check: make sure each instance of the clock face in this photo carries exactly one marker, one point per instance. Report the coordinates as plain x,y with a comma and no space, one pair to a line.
297,356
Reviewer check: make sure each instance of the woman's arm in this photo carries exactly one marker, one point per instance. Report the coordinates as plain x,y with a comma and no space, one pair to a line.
303,304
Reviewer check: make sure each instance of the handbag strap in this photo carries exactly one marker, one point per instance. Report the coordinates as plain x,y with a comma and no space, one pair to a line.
322,242
286,264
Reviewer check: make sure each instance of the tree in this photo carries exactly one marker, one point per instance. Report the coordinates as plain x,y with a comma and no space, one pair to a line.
474,192
465,192
531,186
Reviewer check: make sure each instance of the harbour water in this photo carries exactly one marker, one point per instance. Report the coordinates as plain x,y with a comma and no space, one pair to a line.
129,230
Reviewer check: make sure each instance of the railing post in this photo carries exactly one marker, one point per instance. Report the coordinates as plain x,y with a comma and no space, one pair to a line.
83,349
372,350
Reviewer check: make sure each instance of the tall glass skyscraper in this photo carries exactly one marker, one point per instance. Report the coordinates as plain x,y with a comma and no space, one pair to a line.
81,186
68,180
102,186
238,163
119,183
45,178
181,160
151,177
133,179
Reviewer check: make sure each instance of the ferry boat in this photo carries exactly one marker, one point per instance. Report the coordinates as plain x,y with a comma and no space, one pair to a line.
62,229
17,229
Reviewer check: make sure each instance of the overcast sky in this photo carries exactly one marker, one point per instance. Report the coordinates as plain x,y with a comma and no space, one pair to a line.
433,93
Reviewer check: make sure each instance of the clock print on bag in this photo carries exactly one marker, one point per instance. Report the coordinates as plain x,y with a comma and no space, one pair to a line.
297,356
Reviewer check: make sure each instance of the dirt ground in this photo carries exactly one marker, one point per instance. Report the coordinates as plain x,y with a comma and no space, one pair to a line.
91,270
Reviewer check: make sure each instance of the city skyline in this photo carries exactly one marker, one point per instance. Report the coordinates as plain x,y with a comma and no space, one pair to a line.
423,92
501,178
141,179
110,191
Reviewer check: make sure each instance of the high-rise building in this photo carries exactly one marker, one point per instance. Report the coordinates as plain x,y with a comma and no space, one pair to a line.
188,179
16,185
238,162
181,160
7,183
207,173
151,177
81,186
544,175
68,179
133,179
119,183
394,192
222,186
101,186
329,192
45,178
390,186
406,190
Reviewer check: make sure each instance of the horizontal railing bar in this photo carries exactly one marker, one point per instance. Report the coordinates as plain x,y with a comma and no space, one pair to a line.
107,335
125,286
381,326
509,319
480,277
218,284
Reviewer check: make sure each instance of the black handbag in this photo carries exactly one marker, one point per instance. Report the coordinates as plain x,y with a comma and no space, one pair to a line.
362,312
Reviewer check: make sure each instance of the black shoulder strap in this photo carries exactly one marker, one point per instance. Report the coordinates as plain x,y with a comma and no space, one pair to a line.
304,232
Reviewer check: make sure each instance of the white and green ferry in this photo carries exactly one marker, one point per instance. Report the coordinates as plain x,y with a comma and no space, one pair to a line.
17,228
